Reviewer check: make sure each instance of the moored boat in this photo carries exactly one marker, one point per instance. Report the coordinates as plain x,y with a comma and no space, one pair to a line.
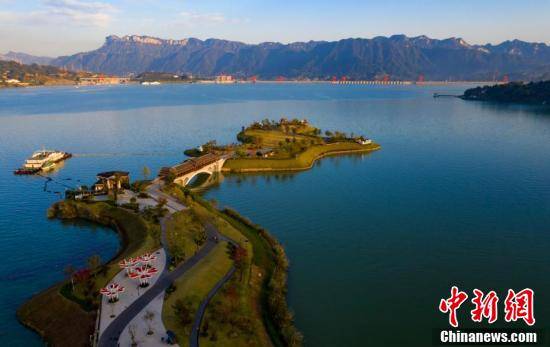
42,160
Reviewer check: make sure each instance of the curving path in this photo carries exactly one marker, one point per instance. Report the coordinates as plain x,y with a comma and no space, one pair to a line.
194,338
111,335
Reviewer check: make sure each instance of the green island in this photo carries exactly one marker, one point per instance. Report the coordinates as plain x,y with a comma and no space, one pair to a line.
284,145
536,93
224,282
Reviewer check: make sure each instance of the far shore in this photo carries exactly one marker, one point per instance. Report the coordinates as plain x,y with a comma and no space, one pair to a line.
362,82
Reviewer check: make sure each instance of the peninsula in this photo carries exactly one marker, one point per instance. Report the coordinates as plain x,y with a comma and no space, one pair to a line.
187,272
535,93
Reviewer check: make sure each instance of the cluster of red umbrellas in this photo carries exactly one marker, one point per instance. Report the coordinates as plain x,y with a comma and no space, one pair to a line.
143,274
140,268
112,291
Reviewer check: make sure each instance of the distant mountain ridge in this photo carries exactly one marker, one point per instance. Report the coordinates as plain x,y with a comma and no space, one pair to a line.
399,57
24,58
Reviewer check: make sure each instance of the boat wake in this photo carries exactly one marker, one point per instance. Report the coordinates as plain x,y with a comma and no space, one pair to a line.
126,154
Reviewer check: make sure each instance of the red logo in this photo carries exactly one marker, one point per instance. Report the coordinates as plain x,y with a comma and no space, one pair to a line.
520,305
485,306
452,304
517,306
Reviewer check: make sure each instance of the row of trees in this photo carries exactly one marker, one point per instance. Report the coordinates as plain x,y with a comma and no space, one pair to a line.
516,92
277,305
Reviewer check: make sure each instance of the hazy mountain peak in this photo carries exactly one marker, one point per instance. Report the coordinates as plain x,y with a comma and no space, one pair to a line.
148,40
24,58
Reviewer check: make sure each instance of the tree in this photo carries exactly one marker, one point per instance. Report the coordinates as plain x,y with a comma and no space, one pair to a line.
178,253
239,255
146,172
94,262
115,187
183,312
148,317
132,332
70,271
199,237
328,133
161,203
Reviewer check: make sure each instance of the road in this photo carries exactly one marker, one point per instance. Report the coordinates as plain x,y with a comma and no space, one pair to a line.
110,336
194,338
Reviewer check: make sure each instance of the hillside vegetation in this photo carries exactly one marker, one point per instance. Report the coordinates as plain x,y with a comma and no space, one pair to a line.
529,93
13,74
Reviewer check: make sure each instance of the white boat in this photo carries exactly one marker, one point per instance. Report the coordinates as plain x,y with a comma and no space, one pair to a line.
42,160
154,83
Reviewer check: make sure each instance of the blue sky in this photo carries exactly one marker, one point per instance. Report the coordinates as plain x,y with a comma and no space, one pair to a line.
55,27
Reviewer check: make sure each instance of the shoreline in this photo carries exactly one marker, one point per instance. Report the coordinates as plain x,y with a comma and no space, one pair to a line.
35,306
137,232
27,311
208,82
376,147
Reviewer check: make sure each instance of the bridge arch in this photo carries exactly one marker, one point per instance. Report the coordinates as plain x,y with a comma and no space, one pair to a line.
210,169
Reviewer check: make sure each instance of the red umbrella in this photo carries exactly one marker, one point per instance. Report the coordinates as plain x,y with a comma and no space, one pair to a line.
127,264
143,274
147,258
112,291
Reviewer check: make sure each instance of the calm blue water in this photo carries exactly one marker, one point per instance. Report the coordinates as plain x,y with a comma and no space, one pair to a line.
459,195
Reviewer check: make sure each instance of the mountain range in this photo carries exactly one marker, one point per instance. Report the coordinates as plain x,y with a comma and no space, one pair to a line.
398,57
26,59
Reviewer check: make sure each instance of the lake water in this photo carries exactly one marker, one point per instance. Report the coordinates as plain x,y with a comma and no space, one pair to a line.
458,195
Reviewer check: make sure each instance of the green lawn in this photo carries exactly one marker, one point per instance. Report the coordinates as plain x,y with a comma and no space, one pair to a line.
180,229
193,287
272,138
54,317
234,317
303,160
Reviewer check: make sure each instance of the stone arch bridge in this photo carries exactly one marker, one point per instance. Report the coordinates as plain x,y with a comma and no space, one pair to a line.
183,173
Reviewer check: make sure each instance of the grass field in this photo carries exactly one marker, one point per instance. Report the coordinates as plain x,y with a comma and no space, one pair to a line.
193,287
302,161
248,284
180,229
272,138
59,330
241,297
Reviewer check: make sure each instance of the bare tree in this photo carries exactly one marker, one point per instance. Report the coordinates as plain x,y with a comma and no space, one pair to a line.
69,271
148,317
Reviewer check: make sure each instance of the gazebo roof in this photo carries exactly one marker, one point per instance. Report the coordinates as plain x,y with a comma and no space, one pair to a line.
108,174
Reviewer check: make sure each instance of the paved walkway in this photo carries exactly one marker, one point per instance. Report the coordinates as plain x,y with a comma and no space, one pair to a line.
172,204
110,311
194,338
111,335
118,328
140,326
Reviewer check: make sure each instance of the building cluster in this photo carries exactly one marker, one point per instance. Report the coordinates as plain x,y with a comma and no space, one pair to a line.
225,79
102,80
108,182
